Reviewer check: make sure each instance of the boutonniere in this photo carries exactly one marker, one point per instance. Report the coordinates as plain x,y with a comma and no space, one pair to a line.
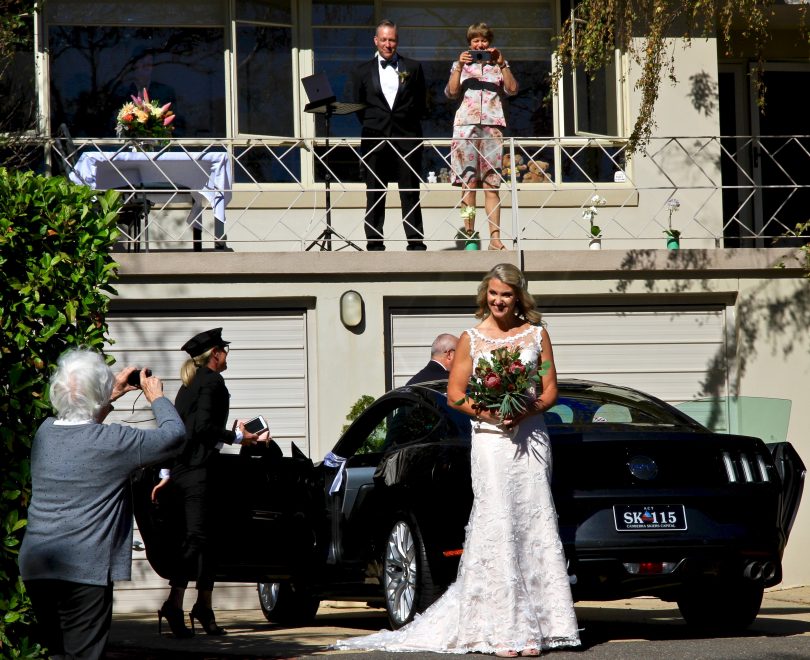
403,76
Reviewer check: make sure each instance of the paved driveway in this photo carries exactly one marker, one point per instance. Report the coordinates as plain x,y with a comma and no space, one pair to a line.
632,628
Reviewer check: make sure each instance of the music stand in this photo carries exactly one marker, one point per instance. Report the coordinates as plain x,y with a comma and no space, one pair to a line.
327,105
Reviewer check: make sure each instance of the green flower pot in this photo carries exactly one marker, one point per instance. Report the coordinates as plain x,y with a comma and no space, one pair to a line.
673,244
472,244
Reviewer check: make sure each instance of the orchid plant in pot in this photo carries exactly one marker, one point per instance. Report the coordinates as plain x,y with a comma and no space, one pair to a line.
589,214
466,235
673,235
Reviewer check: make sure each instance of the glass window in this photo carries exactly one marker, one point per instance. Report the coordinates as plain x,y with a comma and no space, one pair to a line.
264,80
95,69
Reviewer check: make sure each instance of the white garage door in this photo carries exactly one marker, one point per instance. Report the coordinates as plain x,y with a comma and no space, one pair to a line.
267,364
267,375
671,353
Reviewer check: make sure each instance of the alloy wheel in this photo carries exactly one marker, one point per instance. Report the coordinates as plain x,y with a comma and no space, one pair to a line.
400,572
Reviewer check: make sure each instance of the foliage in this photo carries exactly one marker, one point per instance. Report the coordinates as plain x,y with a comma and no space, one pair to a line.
376,438
55,241
503,384
641,29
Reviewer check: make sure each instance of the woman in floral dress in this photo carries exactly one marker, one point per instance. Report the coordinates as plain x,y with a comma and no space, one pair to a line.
476,152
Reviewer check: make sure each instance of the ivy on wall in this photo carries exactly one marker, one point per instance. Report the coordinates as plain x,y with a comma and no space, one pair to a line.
643,30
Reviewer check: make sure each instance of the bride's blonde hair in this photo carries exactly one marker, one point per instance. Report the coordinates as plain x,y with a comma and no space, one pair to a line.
511,275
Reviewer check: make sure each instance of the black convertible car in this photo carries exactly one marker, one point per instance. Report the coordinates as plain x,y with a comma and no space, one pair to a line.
649,501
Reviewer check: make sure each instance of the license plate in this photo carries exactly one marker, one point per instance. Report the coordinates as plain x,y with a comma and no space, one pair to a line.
649,518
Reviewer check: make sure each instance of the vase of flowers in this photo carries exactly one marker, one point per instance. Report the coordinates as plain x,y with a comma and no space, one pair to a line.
143,117
589,214
673,235
466,236
503,384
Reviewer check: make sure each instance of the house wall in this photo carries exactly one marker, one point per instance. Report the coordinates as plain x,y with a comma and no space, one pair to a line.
767,309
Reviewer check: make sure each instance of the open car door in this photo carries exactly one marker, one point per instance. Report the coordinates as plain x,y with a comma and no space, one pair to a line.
791,471
263,508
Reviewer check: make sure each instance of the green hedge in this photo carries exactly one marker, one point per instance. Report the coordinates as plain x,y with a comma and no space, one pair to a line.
55,242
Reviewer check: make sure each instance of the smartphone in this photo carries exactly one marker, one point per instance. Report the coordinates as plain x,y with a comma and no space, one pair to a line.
134,377
480,55
256,425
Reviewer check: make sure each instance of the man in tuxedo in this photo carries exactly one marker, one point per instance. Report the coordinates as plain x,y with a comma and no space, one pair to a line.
392,88
442,353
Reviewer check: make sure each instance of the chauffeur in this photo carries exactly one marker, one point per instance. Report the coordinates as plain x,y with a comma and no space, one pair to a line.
202,402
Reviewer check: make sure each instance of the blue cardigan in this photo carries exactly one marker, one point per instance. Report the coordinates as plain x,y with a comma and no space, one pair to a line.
80,516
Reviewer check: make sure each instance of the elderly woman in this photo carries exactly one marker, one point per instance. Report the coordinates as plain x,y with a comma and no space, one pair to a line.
79,535
482,77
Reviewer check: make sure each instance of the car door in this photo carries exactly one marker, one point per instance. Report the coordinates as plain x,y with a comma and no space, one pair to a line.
791,471
265,513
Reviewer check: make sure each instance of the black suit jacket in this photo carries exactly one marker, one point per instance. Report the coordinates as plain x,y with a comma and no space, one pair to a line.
203,407
380,120
432,371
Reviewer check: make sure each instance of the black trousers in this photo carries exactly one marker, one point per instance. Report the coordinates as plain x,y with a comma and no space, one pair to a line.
194,504
73,620
399,161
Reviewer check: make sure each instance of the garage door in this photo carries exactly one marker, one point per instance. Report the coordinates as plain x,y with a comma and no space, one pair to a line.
267,364
267,375
676,354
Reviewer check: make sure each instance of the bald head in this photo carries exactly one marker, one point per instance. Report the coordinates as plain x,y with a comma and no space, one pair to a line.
443,349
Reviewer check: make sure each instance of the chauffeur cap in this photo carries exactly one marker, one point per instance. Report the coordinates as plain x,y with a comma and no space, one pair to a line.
204,341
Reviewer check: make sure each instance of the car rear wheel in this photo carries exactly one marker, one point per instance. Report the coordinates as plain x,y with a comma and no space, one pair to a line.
407,579
283,602
721,605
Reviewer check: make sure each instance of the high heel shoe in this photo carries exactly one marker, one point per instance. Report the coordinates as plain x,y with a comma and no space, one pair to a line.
174,617
496,247
206,618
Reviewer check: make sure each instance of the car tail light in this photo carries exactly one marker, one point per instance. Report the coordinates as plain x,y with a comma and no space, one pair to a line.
650,567
742,467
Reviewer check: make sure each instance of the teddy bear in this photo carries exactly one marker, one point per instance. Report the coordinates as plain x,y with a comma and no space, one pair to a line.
519,167
537,172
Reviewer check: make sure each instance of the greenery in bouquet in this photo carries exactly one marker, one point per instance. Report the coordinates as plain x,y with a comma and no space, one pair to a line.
143,117
467,232
503,384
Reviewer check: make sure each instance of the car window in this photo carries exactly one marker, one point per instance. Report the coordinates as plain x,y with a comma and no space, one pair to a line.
414,423
591,407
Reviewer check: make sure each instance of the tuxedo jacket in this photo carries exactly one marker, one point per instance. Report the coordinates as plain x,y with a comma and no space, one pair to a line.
380,120
203,407
432,371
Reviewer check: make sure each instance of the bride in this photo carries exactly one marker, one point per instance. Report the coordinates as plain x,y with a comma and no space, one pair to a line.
512,595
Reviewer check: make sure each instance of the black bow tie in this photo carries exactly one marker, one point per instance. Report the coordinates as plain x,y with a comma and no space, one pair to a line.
392,62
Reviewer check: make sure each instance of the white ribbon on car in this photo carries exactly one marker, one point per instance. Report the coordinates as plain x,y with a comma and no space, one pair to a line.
335,461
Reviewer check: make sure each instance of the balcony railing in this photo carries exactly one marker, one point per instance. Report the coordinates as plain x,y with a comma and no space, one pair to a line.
303,194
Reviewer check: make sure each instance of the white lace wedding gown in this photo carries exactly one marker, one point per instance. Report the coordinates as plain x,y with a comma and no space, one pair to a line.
512,589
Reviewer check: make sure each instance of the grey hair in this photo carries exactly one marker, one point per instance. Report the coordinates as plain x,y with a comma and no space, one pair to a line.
511,275
81,385
443,343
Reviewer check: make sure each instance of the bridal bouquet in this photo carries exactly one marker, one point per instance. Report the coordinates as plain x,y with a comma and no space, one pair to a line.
143,117
503,384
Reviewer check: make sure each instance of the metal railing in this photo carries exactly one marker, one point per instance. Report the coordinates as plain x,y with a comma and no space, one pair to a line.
300,194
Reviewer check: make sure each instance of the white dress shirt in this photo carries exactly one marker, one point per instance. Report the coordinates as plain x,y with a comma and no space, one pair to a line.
389,80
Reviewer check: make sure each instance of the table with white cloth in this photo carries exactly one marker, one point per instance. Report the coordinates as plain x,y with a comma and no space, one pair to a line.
205,174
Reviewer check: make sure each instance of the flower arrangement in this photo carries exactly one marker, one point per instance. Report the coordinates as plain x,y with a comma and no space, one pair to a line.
590,213
673,205
503,384
467,232
143,117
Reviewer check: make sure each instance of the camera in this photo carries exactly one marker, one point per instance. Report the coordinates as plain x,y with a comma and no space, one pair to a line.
134,377
480,55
